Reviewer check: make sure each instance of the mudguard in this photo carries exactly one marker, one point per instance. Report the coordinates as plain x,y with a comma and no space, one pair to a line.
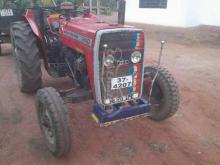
31,20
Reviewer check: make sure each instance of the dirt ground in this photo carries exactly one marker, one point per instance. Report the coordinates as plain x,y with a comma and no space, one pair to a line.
191,137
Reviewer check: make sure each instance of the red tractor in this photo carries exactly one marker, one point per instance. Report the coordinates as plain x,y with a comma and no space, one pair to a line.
105,62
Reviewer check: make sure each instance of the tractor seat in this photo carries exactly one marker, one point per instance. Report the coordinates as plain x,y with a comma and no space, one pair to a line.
67,9
66,6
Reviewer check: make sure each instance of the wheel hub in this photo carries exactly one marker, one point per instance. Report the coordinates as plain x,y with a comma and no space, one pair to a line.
156,96
46,124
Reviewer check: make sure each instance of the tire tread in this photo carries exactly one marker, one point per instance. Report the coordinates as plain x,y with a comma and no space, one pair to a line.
27,57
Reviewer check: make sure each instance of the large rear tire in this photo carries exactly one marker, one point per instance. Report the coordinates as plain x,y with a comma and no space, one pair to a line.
165,94
27,57
54,121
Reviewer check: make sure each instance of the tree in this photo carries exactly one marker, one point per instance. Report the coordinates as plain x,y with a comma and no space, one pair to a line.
18,4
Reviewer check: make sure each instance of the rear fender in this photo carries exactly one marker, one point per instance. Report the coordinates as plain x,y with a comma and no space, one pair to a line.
31,20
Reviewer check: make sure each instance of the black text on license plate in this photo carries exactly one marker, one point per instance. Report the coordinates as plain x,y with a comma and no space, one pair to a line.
118,99
6,12
121,82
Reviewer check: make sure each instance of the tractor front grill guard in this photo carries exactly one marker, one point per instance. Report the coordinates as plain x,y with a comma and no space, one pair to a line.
120,43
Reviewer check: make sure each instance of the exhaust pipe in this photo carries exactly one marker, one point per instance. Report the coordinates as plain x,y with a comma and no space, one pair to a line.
90,5
121,12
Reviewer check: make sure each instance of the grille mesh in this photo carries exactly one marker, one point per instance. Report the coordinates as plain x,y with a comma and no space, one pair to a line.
120,45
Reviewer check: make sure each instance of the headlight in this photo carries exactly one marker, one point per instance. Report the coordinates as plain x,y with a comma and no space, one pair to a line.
109,60
136,57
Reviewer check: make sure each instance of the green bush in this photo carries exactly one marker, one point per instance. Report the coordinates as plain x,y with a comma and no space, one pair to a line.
15,4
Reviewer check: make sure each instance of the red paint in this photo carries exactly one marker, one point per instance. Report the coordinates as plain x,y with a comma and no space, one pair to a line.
138,77
30,19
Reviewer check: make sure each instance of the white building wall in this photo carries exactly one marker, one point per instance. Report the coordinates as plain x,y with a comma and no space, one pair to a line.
210,12
191,12
181,13
172,16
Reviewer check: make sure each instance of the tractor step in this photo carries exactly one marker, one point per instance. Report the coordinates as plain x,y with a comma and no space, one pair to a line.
119,113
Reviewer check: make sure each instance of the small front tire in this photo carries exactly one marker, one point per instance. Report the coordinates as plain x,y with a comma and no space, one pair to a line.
165,95
54,121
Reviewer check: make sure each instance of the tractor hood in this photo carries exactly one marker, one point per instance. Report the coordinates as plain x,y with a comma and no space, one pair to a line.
84,29
91,24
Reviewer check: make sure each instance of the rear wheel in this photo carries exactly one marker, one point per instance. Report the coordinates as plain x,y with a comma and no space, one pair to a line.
27,57
165,95
54,121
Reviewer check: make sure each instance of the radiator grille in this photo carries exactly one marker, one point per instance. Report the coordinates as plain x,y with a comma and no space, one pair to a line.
120,45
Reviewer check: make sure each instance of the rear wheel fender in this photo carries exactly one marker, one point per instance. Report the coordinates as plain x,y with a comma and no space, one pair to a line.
29,17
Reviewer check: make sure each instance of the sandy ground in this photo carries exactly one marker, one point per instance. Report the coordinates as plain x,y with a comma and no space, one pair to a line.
191,137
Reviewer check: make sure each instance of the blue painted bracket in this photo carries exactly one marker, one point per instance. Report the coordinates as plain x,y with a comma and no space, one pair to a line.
101,116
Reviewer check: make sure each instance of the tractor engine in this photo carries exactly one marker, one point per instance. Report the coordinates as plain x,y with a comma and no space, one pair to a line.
77,67
64,61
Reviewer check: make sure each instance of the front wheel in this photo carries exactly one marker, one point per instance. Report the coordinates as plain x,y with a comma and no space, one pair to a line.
165,95
54,121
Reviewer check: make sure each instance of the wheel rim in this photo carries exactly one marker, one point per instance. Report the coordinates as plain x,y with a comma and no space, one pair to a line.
46,125
156,98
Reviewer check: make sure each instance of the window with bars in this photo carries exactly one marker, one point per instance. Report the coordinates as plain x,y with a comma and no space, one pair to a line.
153,4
